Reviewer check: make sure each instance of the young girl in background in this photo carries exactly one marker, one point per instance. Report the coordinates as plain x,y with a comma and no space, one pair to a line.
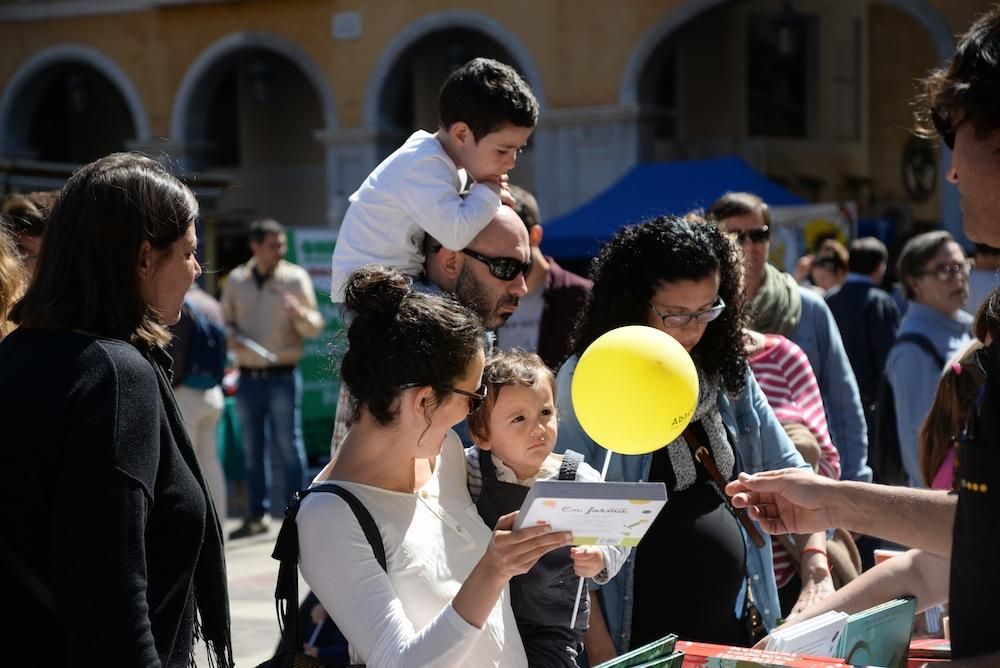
515,432
957,391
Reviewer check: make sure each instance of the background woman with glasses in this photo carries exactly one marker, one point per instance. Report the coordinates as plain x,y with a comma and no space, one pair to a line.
414,368
690,574
934,273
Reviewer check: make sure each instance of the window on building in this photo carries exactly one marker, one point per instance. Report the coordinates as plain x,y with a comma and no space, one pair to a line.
781,74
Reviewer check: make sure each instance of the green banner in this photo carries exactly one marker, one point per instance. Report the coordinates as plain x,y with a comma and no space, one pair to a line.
312,249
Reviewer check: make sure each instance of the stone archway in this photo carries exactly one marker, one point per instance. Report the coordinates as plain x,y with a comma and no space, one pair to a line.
70,104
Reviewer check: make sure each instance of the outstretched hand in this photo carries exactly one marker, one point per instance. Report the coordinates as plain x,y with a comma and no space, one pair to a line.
784,501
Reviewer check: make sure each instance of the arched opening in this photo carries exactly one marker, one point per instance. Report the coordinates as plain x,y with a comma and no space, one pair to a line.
407,99
67,112
817,94
247,122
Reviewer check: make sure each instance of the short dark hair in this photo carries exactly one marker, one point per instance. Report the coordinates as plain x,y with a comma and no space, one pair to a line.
485,94
261,229
401,336
28,213
966,85
866,255
639,258
734,204
917,252
505,368
86,277
526,207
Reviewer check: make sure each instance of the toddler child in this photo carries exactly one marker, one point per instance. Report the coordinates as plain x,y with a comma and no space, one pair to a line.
486,112
515,432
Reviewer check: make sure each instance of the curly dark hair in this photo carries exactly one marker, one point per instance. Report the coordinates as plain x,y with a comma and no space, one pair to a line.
640,258
966,84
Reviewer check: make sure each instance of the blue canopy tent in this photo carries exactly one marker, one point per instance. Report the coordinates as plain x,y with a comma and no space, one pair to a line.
651,189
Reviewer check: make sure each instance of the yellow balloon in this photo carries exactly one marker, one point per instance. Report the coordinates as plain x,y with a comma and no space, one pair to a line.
634,390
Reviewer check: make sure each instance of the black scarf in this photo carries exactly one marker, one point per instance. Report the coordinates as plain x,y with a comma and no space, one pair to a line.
210,590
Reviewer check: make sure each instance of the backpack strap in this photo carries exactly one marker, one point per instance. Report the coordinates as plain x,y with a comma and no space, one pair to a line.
570,465
924,344
286,552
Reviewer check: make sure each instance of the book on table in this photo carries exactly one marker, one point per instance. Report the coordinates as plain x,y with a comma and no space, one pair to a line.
818,636
642,656
706,655
597,513
879,636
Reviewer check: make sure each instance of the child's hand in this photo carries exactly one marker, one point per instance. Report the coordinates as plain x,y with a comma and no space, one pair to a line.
506,198
588,560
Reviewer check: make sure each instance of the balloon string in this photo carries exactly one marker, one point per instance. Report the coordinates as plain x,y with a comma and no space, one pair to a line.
604,470
576,606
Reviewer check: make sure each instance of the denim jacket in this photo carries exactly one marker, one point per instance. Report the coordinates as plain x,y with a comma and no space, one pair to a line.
762,444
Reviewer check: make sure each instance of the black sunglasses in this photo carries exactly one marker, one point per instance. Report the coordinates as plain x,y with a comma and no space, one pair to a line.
504,268
757,236
476,398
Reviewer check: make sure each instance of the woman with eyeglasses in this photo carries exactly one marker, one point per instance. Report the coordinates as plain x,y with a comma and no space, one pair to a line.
692,571
414,368
934,274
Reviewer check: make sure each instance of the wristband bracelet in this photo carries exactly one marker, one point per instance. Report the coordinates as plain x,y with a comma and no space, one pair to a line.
817,550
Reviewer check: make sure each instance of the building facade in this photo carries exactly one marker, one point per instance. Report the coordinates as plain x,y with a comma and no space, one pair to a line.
282,107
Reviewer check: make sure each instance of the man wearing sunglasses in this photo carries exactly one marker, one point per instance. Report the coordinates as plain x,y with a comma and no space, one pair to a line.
780,306
487,277
962,100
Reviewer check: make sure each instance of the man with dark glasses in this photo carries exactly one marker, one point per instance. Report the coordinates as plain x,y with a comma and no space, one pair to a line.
780,306
488,277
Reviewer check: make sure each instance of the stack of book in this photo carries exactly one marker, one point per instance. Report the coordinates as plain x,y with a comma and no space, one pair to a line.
657,654
929,650
819,636
878,636
705,655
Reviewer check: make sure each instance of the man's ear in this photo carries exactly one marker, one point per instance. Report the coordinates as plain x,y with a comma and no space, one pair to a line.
535,235
461,134
450,263
146,257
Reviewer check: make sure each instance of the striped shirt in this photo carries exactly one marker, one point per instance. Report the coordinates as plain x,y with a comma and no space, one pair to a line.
787,380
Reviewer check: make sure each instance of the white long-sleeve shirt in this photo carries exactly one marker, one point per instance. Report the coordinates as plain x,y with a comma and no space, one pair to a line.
433,539
414,191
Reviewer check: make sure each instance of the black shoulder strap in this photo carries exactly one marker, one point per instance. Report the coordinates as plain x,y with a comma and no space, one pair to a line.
570,464
286,551
364,518
923,343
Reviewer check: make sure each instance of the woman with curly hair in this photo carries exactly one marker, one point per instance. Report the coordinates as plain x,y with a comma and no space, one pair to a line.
692,572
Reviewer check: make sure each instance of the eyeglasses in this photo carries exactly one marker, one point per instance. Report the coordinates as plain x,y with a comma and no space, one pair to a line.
757,236
944,127
476,398
504,268
673,320
946,272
